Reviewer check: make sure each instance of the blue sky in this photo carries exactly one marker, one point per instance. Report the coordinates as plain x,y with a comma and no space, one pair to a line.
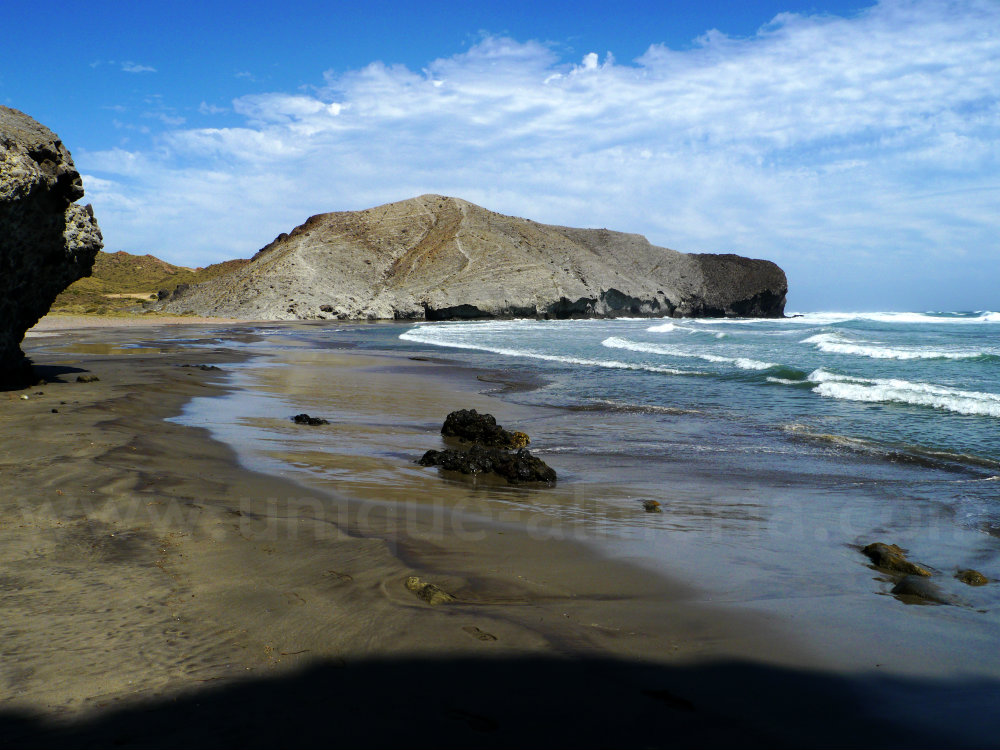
854,143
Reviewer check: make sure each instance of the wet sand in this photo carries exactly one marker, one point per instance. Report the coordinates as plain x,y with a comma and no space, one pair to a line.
156,592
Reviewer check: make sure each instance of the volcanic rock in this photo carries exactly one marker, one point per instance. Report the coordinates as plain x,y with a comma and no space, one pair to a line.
516,467
47,241
468,424
436,258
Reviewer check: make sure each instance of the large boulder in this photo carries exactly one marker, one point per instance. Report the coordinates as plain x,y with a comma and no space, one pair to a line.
47,241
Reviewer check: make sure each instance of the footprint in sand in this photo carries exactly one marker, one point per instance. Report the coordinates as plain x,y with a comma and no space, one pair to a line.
336,575
481,635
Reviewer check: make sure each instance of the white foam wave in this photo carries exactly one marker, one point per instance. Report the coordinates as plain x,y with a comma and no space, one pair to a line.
663,328
834,318
881,390
674,328
832,343
743,363
422,335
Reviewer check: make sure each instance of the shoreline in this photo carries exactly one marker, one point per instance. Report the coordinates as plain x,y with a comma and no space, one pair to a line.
306,598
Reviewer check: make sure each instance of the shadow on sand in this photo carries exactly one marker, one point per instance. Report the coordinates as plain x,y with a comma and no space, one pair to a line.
548,703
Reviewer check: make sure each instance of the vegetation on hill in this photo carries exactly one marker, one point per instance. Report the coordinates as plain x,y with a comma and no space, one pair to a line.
121,281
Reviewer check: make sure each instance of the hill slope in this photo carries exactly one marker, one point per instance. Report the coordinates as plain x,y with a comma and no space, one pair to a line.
435,257
120,280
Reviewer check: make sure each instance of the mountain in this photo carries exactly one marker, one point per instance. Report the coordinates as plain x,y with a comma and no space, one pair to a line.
435,258
119,280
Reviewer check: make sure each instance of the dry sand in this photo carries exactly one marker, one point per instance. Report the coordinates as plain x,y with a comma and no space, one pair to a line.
156,593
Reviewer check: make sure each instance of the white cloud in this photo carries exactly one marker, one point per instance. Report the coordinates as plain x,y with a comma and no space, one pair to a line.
131,67
844,149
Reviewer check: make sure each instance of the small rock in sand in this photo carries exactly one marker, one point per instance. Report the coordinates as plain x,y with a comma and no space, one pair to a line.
87,378
428,591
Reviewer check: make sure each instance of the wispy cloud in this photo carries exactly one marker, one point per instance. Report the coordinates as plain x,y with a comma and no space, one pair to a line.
132,67
844,149
210,109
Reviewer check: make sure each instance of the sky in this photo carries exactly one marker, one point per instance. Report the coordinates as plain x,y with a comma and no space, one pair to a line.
855,143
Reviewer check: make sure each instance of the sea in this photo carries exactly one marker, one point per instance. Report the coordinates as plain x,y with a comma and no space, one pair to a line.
776,448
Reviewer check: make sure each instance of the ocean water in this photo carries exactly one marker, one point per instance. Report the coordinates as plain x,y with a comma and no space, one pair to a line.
907,387
777,449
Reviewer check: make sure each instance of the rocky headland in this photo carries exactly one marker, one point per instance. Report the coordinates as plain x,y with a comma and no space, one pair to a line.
437,258
47,241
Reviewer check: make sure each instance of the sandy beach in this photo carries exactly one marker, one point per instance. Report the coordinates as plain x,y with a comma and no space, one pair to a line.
157,592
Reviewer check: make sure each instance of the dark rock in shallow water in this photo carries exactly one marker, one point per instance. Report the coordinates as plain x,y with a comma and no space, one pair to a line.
311,421
206,368
651,506
893,558
46,241
972,577
516,467
468,424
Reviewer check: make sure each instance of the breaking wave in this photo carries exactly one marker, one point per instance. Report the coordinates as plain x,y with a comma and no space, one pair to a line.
743,363
833,343
423,335
882,390
834,318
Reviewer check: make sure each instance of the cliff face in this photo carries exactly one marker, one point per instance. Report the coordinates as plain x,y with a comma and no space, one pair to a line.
46,241
437,258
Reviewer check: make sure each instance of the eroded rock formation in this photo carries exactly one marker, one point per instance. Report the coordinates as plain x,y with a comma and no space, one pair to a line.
47,241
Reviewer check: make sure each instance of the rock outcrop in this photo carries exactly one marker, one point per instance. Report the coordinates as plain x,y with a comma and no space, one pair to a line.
436,258
470,426
47,241
492,450
517,467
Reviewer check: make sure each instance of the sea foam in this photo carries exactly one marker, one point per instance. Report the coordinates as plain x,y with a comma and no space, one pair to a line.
833,343
880,390
424,335
614,342
835,318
